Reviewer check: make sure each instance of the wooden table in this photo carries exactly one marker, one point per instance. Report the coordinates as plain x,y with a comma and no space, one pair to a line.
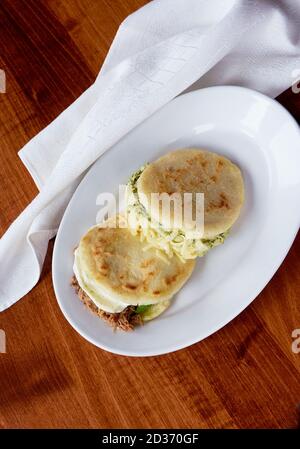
245,375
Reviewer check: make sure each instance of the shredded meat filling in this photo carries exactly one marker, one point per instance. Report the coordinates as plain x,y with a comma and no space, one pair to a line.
125,320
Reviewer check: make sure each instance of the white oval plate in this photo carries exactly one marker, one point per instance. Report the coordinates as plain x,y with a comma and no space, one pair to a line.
263,139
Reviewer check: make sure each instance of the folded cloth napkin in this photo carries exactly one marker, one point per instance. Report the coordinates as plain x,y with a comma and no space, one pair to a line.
158,52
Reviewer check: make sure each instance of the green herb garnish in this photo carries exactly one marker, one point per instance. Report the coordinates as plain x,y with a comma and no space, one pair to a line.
143,308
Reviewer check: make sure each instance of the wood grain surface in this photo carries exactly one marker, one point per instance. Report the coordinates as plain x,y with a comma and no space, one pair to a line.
245,375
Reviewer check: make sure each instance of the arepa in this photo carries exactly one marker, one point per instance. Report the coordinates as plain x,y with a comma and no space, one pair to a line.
179,172
116,269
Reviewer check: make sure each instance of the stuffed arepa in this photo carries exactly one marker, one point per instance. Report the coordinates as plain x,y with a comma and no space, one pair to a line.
119,275
180,172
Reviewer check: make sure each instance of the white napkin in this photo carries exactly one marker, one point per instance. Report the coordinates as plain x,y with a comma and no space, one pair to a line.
158,52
